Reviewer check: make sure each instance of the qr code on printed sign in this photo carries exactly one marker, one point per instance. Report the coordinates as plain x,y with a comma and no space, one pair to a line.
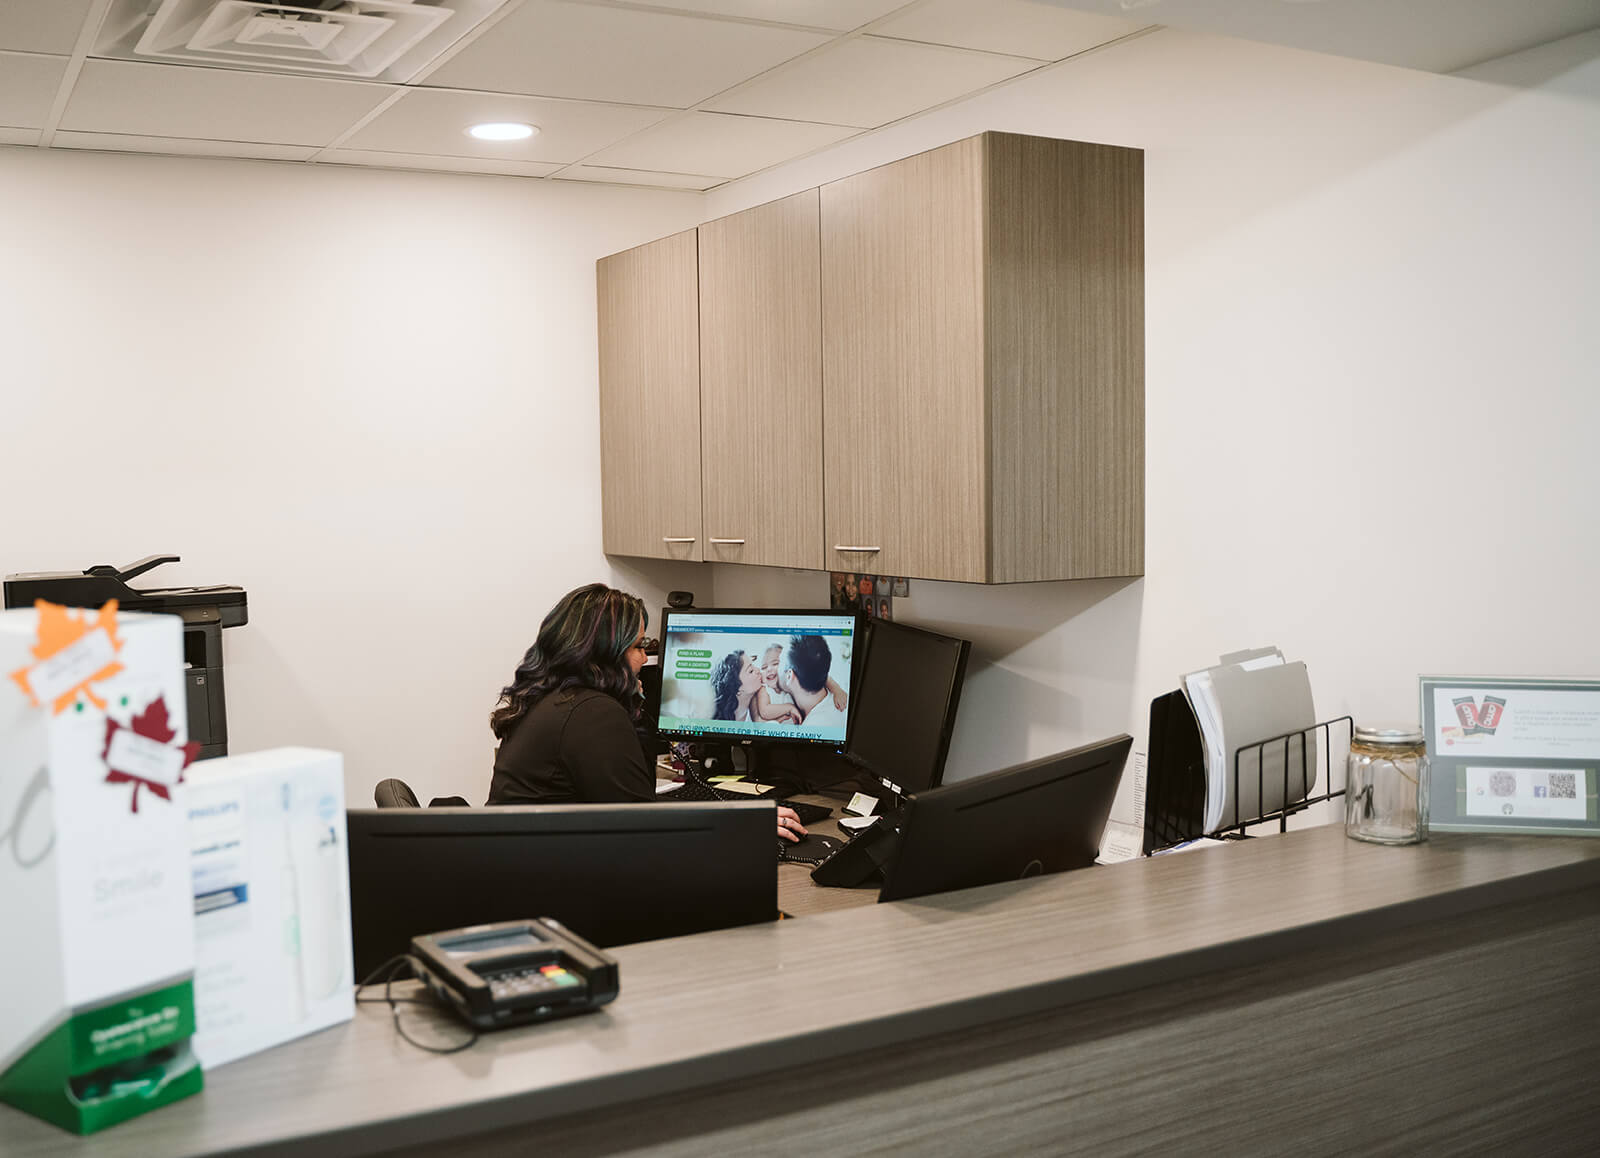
1502,783
1564,785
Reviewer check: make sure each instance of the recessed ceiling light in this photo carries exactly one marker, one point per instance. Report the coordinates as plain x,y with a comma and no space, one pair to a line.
503,131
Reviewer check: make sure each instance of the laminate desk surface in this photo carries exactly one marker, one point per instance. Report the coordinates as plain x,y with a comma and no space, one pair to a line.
718,1007
798,894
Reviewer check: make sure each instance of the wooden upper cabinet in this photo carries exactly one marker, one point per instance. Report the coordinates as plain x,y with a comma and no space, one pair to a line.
934,368
983,363
902,367
1064,317
761,385
649,327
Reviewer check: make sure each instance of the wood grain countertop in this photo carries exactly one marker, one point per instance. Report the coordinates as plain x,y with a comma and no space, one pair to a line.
696,1011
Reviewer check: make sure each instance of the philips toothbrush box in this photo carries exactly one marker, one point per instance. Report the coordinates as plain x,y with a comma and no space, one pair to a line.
271,900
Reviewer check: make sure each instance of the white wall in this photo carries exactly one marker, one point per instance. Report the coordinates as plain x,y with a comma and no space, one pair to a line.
367,397
1373,384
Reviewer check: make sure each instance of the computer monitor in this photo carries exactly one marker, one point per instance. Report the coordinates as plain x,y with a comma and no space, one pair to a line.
757,675
1045,816
612,873
905,703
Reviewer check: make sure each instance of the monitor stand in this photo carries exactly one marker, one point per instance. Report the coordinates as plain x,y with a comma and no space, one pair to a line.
794,769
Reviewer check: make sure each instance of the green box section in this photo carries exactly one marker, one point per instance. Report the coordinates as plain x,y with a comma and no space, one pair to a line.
694,665
695,652
105,1065
691,675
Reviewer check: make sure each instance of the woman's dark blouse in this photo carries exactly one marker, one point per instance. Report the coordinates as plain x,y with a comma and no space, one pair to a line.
574,747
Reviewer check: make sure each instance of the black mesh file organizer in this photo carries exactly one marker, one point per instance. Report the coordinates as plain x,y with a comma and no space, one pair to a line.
1175,776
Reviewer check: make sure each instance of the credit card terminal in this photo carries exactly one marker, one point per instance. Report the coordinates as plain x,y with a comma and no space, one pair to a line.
513,972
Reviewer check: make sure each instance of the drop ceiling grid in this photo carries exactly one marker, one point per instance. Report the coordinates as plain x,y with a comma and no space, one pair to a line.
1010,27
868,81
676,139
28,84
49,26
216,104
953,32
823,15
555,48
720,88
434,121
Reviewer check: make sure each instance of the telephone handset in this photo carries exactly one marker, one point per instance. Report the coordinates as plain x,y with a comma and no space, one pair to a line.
512,972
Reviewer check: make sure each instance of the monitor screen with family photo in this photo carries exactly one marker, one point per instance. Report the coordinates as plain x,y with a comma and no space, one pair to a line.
756,675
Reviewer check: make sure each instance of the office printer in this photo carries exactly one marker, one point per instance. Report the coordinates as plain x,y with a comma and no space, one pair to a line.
205,611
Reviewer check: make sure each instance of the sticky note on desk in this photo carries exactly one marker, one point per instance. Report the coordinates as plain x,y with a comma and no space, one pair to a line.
744,787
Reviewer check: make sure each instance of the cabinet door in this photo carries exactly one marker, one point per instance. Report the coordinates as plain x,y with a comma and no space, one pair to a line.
650,399
903,367
761,385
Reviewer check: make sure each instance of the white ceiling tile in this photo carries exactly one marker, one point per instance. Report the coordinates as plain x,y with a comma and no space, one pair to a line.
1019,27
19,136
28,87
42,25
626,56
433,121
718,145
182,146
613,176
158,100
869,82
839,15
431,163
1437,35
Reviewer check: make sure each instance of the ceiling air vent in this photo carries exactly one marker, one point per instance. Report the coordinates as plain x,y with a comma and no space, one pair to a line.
389,40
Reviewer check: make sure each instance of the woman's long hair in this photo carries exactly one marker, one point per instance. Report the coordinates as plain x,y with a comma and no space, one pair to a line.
582,643
725,685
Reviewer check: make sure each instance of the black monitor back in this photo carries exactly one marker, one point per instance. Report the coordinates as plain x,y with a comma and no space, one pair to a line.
1044,816
906,698
612,873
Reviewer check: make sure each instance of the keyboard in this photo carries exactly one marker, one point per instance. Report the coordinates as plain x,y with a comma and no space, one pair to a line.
808,813
693,790
699,792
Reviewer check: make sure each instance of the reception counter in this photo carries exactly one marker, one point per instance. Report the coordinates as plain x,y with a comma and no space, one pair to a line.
1294,992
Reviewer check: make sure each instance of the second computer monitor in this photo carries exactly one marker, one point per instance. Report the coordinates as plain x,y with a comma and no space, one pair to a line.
1044,816
757,675
907,694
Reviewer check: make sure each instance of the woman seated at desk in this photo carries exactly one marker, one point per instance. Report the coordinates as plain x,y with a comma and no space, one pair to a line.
565,722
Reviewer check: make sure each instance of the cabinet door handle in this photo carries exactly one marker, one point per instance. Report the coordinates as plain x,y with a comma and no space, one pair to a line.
728,542
857,550
666,539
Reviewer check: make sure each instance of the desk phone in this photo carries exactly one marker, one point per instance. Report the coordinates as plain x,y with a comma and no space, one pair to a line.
512,972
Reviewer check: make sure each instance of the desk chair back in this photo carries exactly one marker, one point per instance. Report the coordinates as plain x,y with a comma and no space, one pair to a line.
394,793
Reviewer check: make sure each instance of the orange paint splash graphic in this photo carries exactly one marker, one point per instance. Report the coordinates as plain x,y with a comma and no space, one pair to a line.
72,653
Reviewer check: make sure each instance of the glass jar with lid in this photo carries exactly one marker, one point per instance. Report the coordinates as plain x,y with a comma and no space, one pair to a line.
1386,790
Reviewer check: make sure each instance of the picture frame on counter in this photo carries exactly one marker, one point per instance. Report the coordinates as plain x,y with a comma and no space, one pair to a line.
1510,754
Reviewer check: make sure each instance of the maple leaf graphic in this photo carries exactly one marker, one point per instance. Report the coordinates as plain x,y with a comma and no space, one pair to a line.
60,629
152,724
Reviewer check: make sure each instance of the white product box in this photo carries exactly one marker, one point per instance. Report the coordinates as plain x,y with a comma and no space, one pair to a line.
271,900
95,901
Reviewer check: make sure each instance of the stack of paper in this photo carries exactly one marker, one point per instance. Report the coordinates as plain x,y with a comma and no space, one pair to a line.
1249,697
